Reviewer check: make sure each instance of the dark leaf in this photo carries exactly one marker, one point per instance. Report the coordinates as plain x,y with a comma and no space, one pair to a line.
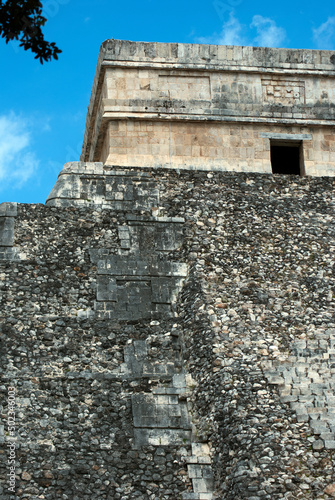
22,20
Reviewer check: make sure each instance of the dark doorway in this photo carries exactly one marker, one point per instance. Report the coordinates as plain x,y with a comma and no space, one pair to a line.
286,159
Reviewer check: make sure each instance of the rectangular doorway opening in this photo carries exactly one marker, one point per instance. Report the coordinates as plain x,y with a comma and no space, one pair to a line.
287,157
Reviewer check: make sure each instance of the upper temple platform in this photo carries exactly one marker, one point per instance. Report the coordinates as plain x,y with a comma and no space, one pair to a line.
212,107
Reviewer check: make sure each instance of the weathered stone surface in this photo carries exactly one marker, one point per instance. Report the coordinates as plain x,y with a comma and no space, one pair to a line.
6,231
169,332
89,184
257,302
8,209
210,107
330,490
8,212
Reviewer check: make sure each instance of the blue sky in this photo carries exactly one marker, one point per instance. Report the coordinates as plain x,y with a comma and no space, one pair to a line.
43,108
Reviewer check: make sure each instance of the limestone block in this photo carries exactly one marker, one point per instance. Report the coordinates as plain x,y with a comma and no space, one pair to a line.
106,289
8,212
161,437
8,209
155,234
330,444
200,449
6,231
198,471
88,184
197,496
137,286
10,254
203,485
158,411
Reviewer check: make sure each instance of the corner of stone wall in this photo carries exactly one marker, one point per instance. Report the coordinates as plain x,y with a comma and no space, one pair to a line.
8,212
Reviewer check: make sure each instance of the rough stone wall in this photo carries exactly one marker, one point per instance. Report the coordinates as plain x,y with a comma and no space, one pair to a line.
76,374
226,391
261,295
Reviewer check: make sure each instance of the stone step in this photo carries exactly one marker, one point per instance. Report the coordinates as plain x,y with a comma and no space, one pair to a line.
197,496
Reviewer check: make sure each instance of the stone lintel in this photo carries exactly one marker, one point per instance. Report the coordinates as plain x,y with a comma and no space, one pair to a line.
221,116
199,67
286,137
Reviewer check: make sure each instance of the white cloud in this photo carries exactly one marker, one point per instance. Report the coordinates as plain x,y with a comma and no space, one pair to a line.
235,33
17,161
324,35
231,34
269,34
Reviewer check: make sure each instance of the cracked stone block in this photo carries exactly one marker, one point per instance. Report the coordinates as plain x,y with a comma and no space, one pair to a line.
161,289
139,287
194,471
330,444
116,186
132,299
162,310
204,460
318,445
106,289
123,232
197,496
140,348
198,471
151,410
6,231
318,429
276,380
92,188
119,265
8,209
302,417
134,358
202,485
125,244
327,436
124,236
133,193
156,235
161,437
207,472
289,399
200,449
179,381
146,195
157,369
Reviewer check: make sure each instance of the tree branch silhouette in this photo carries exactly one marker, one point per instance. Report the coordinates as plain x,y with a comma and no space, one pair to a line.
23,21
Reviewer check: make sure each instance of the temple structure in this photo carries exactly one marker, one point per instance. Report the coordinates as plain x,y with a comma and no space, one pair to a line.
167,317
245,109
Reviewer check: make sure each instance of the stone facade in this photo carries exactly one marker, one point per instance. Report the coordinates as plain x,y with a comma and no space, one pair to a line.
167,327
183,349
211,107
